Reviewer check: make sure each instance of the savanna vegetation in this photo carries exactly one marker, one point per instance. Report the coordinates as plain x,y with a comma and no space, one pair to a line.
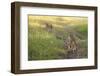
57,37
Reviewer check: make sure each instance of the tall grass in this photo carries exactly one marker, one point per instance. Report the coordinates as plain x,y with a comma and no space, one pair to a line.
44,45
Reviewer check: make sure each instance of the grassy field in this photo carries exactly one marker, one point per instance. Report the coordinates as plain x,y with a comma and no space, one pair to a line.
55,37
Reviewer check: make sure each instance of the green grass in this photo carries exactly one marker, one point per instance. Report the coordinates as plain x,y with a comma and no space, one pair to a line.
44,45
